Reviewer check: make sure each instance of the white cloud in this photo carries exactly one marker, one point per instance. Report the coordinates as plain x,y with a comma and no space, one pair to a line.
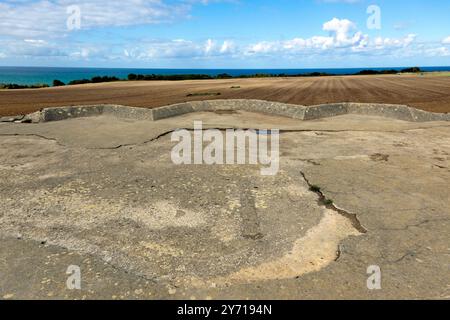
35,41
342,37
214,48
227,47
209,46
438,52
382,43
446,40
84,53
29,18
179,49
339,29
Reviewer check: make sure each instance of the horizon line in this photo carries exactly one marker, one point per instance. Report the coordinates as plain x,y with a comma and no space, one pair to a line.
265,68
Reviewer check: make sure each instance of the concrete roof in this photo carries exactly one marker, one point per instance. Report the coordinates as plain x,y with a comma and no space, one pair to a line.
102,193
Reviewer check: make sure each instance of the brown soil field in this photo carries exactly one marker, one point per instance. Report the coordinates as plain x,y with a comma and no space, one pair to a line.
427,93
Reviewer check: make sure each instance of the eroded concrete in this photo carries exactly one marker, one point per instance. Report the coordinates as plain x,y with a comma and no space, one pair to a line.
102,193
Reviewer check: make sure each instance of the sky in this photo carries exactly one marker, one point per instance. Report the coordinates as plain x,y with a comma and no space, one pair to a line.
224,33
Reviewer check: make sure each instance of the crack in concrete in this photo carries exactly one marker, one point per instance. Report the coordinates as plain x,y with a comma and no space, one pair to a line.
281,131
417,225
87,148
325,202
338,253
250,222
407,254
133,144
28,135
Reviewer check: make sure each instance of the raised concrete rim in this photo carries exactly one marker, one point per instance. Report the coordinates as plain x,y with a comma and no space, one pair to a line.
300,112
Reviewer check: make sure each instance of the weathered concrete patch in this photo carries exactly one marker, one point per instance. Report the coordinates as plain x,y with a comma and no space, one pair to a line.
317,249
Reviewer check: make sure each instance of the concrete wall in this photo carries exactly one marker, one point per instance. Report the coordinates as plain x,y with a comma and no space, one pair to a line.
400,112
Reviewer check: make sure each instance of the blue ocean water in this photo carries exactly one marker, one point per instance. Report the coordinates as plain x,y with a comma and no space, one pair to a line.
35,75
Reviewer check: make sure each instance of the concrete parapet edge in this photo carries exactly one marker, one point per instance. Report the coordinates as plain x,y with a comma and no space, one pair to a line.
399,112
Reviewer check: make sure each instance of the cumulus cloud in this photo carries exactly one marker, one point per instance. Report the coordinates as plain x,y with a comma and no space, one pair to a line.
343,37
339,28
446,40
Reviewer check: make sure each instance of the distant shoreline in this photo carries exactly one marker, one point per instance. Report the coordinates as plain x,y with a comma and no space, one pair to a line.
181,77
29,76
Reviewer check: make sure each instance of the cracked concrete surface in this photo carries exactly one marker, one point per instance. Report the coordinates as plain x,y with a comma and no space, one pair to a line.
102,193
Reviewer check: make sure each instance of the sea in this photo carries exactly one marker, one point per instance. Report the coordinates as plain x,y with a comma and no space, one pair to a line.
46,75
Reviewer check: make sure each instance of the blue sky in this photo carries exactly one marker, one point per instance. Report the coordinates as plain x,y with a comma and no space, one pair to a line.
224,33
